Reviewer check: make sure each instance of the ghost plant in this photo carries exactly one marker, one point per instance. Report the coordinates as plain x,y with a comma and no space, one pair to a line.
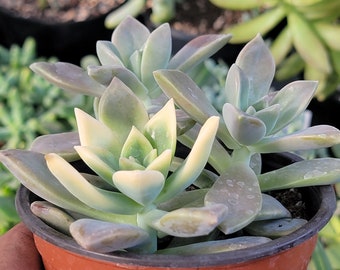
132,55
140,189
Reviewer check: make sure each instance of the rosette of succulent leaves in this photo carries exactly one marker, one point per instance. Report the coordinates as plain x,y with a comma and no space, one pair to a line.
139,189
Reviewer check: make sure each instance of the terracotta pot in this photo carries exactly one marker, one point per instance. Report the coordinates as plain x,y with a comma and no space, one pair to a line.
291,252
68,41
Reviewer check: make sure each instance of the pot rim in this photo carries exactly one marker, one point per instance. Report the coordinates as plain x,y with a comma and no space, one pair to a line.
317,222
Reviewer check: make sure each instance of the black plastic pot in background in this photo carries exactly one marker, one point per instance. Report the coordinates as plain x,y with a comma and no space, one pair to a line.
327,111
69,41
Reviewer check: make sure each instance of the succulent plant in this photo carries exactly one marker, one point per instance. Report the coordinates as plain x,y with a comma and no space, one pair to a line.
308,42
139,189
161,11
26,111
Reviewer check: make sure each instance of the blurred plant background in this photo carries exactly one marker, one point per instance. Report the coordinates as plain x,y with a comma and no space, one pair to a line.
29,106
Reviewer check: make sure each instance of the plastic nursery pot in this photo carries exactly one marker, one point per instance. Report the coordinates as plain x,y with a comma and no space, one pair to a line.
68,41
291,252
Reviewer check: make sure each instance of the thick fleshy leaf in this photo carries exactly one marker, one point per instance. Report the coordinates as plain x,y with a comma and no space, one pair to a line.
100,160
31,170
161,163
75,183
136,146
130,164
108,53
314,137
263,23
60,143
219,157
141,186
330,33
244,128
191,99
161,129
197,50
275,228
104,237
105,74
95,134
272,209
212,247
269,116
322,171
191,222
238,5
238,189
69,77
293,100
129,36
156,54
195,162
282,45
120,109
192,198
256,61
52,215
126,9
237,88
307,43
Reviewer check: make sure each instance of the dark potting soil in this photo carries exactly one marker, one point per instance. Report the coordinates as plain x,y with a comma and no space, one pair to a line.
60,10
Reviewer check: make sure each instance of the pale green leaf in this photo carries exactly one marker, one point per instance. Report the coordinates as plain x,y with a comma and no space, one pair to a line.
293,100
197,50
321,171
213,247
161,163
193,165
244,128
314,137
104,237
52,215
237,4
76,184
307,43
237,88
31,170
100,160
60,143
142,186
275,228
95,134
282,45
107,53
161,128
136,146
269,116
238,189
257,63
192,221
120,109
156,54
69,77
191,99
330,34
263,23
129,36
272,209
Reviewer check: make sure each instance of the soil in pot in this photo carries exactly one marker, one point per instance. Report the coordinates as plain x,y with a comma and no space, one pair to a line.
65,29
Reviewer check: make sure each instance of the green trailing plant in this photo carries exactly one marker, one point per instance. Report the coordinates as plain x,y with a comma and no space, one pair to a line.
141,189
161,11
308,42
29,106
